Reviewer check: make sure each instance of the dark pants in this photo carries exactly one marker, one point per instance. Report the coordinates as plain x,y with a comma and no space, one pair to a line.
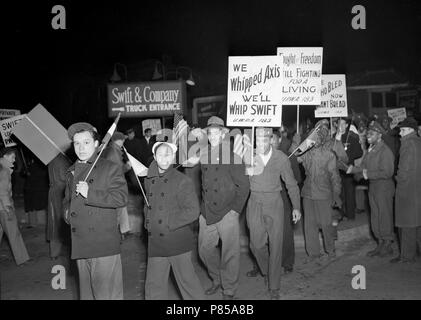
409,239
348,195
288,250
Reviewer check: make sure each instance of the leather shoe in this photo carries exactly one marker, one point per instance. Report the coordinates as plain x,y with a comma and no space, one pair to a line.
288,269
253,273
212,290
227,297
274,294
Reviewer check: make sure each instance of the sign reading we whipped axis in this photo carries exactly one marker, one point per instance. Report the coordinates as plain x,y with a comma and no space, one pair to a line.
254,91
302,71
333,97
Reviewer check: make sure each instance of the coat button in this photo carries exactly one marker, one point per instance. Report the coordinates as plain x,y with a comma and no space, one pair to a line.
153,181
150,194
162,194
73,229
161,234
149,233
216,179
214,203
165,180
215,191
73,214
91,180
216,169
159,221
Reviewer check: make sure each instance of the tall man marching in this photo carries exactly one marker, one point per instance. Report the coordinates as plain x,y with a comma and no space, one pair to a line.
265,210
90,209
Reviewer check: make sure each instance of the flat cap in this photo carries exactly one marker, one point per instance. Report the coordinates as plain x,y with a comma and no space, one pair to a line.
264,132
216,122
79,127
409,123
118,136
375,126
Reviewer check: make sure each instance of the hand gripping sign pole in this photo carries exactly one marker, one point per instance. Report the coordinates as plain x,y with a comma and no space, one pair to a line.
104,143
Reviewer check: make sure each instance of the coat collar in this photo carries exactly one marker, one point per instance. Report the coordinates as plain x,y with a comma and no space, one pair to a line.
153,170
409,136
89,162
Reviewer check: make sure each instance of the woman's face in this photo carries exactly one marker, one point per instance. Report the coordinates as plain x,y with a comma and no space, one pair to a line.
11,157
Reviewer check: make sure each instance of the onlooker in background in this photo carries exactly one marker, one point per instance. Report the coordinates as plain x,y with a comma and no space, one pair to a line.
57,231
377,168
391,138
352,146
408,201
147,142
8,220
36,192
114,153
419,130
133,145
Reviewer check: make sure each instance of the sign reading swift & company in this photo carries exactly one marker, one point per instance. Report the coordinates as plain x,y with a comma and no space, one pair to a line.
146,99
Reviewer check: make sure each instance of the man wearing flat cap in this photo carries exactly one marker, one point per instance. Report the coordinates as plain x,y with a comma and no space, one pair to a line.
225,188
265,209
90,209
408,187
377,167
173,208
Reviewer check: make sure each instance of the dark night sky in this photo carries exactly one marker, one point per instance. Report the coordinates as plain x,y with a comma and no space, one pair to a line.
198,34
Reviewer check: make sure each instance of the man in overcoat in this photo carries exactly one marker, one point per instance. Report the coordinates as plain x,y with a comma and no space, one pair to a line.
90,209
408,190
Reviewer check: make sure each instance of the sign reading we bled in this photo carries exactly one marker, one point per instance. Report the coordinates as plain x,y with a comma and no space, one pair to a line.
302,71
333,97
254,91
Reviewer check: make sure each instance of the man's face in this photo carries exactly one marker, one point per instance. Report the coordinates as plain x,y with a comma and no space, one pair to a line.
11,157
373,136
262,145
164,157
405,131
119,143
215,136
274,141
385,124
148,133
342,126
130,135
84,145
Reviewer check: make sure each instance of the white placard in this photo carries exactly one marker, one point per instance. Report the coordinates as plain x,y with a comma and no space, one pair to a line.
6,129
154,124
302,71
333,97
397,115
8,113
254,91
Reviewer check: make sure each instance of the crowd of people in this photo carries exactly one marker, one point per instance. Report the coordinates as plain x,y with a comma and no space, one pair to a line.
276,182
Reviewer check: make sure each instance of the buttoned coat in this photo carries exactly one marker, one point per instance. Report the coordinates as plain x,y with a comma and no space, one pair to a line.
174,207
408,188
93,220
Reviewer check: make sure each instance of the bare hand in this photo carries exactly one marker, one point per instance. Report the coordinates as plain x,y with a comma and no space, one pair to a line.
82,188
296,215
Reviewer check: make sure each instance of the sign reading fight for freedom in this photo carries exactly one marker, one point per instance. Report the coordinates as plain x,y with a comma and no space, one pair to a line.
302,71
333,97
6,127
146,99
254,91
397,115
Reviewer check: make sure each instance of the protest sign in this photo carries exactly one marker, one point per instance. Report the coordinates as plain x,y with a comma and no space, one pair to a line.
254,91
397,115
333,97
8,113
154,124
302,73
6,127
42,134
146,99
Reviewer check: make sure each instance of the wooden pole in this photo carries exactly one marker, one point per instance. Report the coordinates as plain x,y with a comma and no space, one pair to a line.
298,119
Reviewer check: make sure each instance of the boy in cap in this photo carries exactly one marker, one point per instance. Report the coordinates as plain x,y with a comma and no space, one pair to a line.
377,167
174,207
90,209
265,209
408,202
